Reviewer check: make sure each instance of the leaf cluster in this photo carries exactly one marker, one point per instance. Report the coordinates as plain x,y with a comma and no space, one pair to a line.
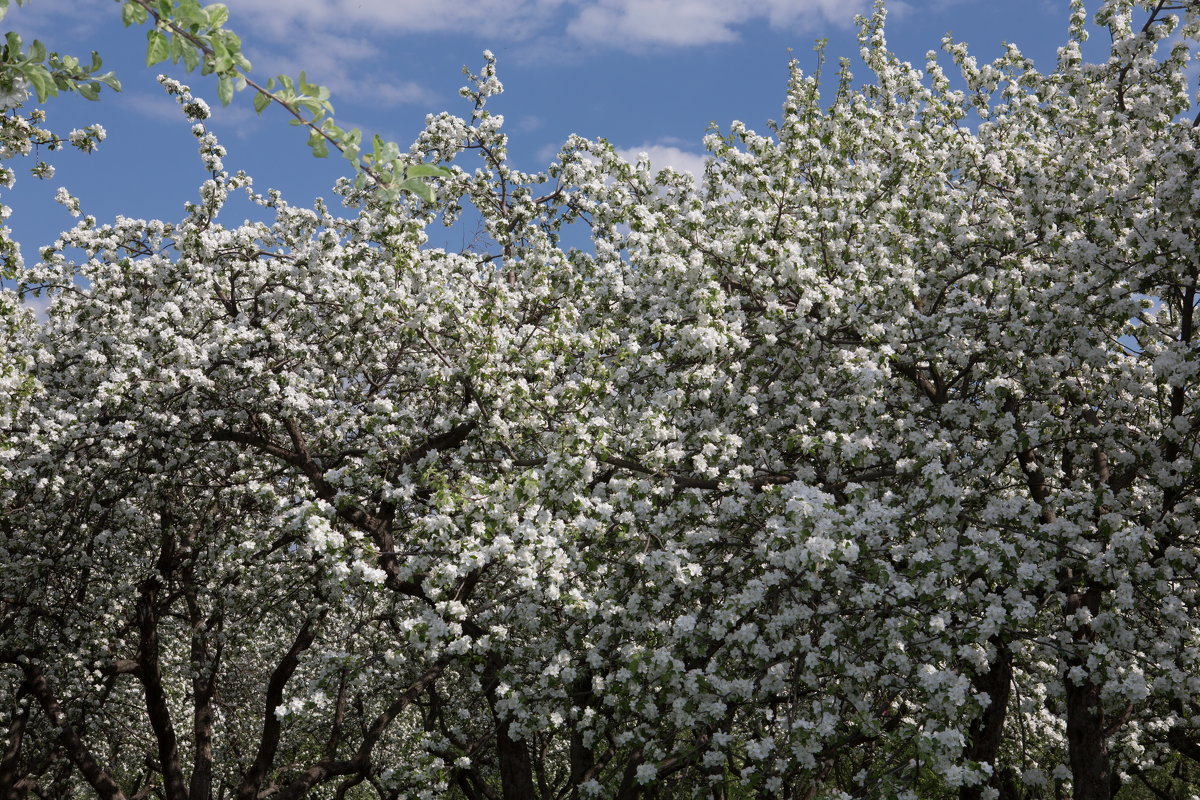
186,31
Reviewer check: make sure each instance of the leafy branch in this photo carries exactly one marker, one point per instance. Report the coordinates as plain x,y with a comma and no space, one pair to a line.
47,73
188,32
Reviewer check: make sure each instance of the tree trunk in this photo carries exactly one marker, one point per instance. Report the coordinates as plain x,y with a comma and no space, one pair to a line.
582,758
512,756
1087,745
516,771
987,730
1087,741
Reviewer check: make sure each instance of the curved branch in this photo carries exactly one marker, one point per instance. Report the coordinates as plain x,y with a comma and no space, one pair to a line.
272,725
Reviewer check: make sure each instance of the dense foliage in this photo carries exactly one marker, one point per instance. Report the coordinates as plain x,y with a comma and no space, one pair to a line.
863,465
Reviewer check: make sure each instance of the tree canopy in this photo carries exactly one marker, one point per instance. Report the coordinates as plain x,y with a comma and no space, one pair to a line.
864,464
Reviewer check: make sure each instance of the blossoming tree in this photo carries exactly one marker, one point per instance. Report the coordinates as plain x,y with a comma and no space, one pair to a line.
863,465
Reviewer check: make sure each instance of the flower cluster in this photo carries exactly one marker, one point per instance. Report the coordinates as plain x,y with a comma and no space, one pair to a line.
864,465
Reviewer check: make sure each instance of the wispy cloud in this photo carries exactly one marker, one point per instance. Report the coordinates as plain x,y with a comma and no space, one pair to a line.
59,23
680,23
155,106
511,18
689,22
623,24
335,60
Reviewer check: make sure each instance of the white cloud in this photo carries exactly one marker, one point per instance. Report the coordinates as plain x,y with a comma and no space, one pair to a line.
662,156
39,305
59,22
154,105
527,123
655,21
630,23
333,59
511,18
617,23
238,118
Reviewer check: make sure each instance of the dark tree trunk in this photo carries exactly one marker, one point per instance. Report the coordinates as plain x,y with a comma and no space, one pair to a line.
1087,740
516,771
512,756
157,707
10,771
582,758
81,757
987,730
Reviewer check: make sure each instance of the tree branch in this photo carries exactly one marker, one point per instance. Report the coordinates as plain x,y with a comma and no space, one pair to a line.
97,777
272,725
150,674
360,765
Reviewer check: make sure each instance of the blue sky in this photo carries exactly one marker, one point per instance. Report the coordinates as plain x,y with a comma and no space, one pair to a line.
648,75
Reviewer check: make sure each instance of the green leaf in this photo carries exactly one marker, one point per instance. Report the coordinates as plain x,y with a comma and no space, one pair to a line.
189,12
427,171
97,62
109,79
37,51
3,8
320,148
133,14
225,89
312,106
419,188
165,8
222,62
191,57
89,90
261,101
351,144
178,44
218,14
41,80
229,40
158,49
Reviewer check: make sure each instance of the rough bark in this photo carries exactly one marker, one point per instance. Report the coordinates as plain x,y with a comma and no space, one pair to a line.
1087,739
987,731
581,757
157,709
512,756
